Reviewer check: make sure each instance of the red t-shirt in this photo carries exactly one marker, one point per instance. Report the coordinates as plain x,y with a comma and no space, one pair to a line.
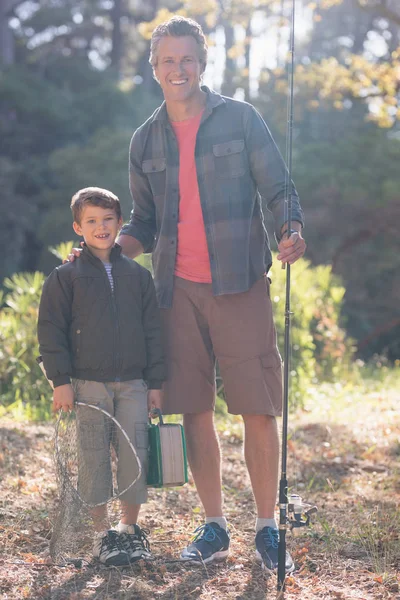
192,259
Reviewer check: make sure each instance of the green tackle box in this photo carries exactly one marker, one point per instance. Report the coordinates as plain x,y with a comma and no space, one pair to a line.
167,454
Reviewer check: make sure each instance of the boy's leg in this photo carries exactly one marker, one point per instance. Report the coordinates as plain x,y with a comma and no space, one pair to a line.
100,519
129,513
131,411
95,480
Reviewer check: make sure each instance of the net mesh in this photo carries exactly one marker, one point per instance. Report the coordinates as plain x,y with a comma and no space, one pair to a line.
89,446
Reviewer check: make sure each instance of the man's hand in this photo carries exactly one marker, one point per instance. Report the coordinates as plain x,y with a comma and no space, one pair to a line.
154,400
63,397
76,252
292,248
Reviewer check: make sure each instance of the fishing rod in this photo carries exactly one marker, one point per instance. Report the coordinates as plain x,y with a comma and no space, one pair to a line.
292,511
283,484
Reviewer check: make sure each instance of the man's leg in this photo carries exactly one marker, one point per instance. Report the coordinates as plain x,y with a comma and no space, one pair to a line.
211,541
205,460
261,451
190,390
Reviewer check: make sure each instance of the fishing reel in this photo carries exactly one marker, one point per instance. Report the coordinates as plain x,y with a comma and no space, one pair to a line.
299,513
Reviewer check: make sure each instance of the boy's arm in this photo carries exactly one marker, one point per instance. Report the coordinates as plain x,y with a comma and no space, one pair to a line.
155,371
53,326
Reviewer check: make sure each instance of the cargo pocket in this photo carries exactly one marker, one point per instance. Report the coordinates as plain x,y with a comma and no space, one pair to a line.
253,386
141,435
229,159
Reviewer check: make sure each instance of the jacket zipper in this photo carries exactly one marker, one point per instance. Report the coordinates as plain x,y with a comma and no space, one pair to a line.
116,357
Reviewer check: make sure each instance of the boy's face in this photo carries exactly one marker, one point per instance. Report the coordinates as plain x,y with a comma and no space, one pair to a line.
99,228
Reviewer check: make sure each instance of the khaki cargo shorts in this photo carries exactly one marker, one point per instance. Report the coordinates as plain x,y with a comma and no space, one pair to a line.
238,331
127,402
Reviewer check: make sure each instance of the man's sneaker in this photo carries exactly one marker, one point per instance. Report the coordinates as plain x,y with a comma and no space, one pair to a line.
135,543
210,542
267,541
108,549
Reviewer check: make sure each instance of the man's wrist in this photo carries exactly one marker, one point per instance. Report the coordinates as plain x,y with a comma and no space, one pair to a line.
295,227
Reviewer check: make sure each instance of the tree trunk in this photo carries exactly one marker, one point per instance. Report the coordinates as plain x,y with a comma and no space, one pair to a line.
228,87
116,39
7,49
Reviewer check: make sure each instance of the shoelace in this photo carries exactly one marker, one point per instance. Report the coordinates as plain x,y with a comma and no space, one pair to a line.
139,540
206,532
111,541
271,538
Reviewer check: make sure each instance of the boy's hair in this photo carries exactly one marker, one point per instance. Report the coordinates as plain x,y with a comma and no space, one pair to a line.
178,27
94,196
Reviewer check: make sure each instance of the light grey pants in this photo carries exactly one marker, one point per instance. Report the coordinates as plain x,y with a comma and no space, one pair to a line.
127,402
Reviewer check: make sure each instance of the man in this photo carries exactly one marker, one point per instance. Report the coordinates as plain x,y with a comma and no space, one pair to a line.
199,167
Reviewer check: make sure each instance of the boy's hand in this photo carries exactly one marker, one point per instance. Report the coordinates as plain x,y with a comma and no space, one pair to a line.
154,400
63,397
76,252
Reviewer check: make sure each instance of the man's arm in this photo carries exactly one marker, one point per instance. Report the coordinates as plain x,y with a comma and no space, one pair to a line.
270,173
142,225
131,247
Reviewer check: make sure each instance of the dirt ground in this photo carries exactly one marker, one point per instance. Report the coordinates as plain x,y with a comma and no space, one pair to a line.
344,459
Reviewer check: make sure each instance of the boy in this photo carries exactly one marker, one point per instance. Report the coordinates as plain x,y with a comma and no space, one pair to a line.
100,338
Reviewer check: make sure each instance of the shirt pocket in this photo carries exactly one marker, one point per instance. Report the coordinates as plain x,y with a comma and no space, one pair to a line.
155,170
230,159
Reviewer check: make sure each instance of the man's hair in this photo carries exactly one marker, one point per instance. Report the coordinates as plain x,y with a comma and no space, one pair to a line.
178,27
94,196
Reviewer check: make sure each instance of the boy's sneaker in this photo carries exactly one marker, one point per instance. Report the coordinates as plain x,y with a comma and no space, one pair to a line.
135,543
210,542
108,549
267,541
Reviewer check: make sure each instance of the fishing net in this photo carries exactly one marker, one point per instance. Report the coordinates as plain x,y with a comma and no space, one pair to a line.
89,446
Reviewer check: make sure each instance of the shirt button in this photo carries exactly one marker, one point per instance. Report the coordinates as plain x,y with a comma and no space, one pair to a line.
153,168
174,215
78,331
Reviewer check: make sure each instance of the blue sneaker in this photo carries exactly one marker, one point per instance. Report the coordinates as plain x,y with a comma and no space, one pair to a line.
210,542
267,541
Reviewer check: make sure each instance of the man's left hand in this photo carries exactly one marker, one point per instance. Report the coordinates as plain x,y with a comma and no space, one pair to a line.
292,248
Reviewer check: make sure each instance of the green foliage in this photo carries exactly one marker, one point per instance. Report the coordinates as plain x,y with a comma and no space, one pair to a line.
320,350
24,390
62,250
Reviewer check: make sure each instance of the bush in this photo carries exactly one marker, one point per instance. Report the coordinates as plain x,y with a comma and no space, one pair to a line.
320,350
24,390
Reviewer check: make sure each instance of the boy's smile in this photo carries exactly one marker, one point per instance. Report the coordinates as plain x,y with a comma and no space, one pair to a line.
99,228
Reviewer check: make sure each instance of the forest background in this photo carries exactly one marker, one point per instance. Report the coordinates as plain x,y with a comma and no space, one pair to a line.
74,84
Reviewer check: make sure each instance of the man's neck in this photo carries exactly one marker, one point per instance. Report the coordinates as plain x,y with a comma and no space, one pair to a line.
181,111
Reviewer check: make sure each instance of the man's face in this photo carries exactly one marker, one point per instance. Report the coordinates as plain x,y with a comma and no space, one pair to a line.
178,68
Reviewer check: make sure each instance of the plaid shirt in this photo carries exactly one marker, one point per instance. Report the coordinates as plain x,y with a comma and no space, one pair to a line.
240,174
